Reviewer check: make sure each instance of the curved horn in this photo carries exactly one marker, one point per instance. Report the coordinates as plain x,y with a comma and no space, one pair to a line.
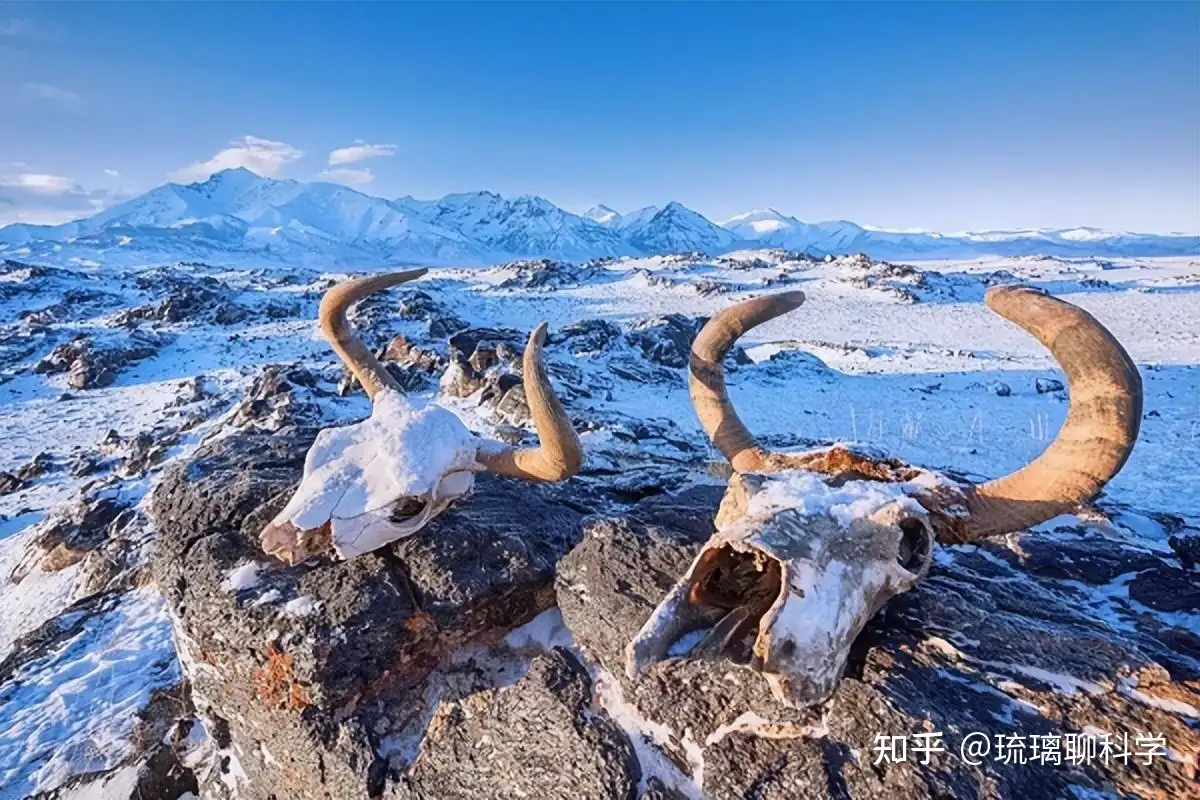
332,314
559,454
706,378
1100,431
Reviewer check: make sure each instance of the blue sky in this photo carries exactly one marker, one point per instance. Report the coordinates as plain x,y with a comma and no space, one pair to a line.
936,115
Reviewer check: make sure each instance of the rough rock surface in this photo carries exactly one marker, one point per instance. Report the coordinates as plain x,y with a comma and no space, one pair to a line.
545,274
997,641
90,365
538,738
71,534
667,340
304,671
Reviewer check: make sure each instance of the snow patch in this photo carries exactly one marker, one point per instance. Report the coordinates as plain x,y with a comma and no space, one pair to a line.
300,607
242,577
73,710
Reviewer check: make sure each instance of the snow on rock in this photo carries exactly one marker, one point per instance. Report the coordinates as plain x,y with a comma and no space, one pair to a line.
300,606
69,700
243,577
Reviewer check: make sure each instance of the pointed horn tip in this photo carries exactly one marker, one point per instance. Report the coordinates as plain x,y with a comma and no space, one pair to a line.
410,274
1011,291
795,298
538,336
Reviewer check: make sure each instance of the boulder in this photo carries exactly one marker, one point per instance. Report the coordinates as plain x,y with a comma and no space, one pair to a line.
1032,641
67,536
586,336
666,340
91,365
304,674
1047,385
545,274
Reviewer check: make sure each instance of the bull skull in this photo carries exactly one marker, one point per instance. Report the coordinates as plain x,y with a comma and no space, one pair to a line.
808,546
368,484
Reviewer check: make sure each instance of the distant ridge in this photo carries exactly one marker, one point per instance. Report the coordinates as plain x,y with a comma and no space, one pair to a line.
238,216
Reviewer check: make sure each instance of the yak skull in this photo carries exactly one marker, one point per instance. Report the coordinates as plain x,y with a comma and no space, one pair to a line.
368,484
808,546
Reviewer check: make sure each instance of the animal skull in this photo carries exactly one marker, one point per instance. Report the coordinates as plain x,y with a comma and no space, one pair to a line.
808,546
382,479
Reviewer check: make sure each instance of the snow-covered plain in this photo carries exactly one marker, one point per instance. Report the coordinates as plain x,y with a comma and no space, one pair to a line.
903,358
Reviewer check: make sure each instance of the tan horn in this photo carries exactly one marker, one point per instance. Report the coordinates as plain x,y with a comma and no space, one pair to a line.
559,455
1099,433
332,314
706,379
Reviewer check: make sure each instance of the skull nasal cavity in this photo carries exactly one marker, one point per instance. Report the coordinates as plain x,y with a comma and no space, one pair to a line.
729,578
914,544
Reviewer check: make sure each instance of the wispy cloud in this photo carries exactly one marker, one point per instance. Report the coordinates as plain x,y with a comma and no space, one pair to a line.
47,199
37,182
262,156
25,30
112,173
359,151
54,95
350,177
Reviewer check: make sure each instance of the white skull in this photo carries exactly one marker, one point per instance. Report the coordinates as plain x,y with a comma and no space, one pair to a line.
368,484
407,458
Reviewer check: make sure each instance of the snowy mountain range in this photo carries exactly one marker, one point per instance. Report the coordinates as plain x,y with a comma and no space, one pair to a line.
239,217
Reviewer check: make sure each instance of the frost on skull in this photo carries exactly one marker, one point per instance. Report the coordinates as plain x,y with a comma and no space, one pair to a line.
379,480
796,569
422,458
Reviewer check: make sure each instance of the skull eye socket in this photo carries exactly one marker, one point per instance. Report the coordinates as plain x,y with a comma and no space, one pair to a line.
915,545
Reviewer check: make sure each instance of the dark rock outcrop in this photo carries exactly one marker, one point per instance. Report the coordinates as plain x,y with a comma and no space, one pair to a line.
538,738
90,365
991,643
666,340
306,668
69,535
395,675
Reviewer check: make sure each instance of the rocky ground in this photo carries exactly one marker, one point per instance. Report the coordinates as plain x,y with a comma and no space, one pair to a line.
154,420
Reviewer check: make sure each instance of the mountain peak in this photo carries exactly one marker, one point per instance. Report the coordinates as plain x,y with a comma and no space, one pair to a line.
676,228
602,214
237,214
233,175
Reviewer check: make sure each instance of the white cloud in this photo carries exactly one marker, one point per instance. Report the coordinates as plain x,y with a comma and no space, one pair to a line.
350,177
262,156
37,182
55,95
358,151
25,29
112,173
47,199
